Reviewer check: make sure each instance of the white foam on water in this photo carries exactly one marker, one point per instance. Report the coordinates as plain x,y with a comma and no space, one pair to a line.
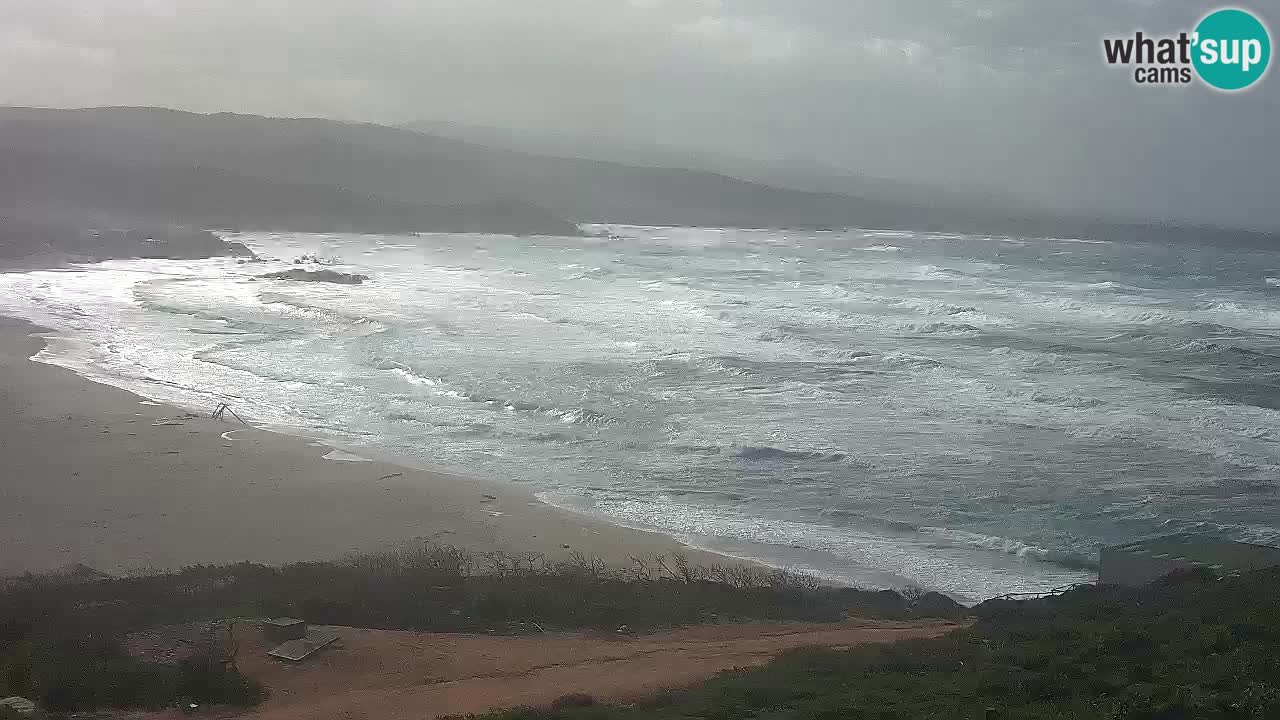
959,412
343,456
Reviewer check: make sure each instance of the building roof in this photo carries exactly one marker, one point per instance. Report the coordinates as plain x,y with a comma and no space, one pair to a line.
301,648
1218,554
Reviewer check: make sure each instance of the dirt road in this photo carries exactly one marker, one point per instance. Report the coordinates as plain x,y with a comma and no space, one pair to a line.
386,675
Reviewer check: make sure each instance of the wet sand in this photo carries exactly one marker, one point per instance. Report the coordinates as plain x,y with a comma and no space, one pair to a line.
94,475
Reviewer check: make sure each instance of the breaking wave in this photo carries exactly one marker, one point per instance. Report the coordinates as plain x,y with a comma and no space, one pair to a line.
772,453
968,413
1017,548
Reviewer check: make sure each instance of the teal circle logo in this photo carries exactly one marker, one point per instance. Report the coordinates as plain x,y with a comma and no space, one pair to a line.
1231,49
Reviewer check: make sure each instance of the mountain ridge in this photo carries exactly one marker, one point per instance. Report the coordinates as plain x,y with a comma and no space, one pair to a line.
378,173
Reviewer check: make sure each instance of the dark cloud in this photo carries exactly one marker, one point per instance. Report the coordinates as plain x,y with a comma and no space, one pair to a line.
1005,94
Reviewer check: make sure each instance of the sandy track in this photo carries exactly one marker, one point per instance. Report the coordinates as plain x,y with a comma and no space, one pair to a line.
387,675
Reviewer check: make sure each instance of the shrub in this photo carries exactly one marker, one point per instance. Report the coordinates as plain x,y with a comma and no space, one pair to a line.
1170,651
573,700
62,639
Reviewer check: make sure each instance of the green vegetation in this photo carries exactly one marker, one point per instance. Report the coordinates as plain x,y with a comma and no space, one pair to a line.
1191,646
61,638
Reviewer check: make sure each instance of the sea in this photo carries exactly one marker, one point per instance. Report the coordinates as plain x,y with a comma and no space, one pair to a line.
973,415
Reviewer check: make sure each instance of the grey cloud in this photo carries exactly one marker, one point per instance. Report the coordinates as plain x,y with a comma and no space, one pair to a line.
1003,94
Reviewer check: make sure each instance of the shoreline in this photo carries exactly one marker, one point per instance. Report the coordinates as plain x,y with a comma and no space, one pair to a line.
106,478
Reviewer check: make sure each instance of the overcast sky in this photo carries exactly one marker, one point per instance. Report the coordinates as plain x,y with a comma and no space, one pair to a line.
1010,94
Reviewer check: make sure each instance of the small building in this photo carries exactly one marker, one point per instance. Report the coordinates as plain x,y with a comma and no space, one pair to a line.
297,640
304,647
1138,563
283,629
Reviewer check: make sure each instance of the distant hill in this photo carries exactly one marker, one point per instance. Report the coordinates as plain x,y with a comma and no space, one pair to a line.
399,165
49,183
250,171
165,166
768,169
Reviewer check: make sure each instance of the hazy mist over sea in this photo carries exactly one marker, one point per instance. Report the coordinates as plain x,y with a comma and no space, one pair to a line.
969,414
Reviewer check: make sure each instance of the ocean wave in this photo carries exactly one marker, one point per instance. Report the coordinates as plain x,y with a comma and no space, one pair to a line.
1159,313
936,272
212,357
862,519
1195,339
590,273
1066,400
1244,355
752,274
1256,534
888,233
1117,287
160,307
1081,241
566,415
907,361
1161,317
552,437
413,378
217,331
1235,314
472,430
1093,309
923,314
765,452
1017,548
695,449
698,492
849,363
849,355
782,334
941,328
344,456
296,307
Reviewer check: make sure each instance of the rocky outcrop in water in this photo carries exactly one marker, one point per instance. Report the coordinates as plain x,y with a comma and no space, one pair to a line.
329,276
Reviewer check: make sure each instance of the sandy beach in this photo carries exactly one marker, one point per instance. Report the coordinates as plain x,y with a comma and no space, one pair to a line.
98,476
